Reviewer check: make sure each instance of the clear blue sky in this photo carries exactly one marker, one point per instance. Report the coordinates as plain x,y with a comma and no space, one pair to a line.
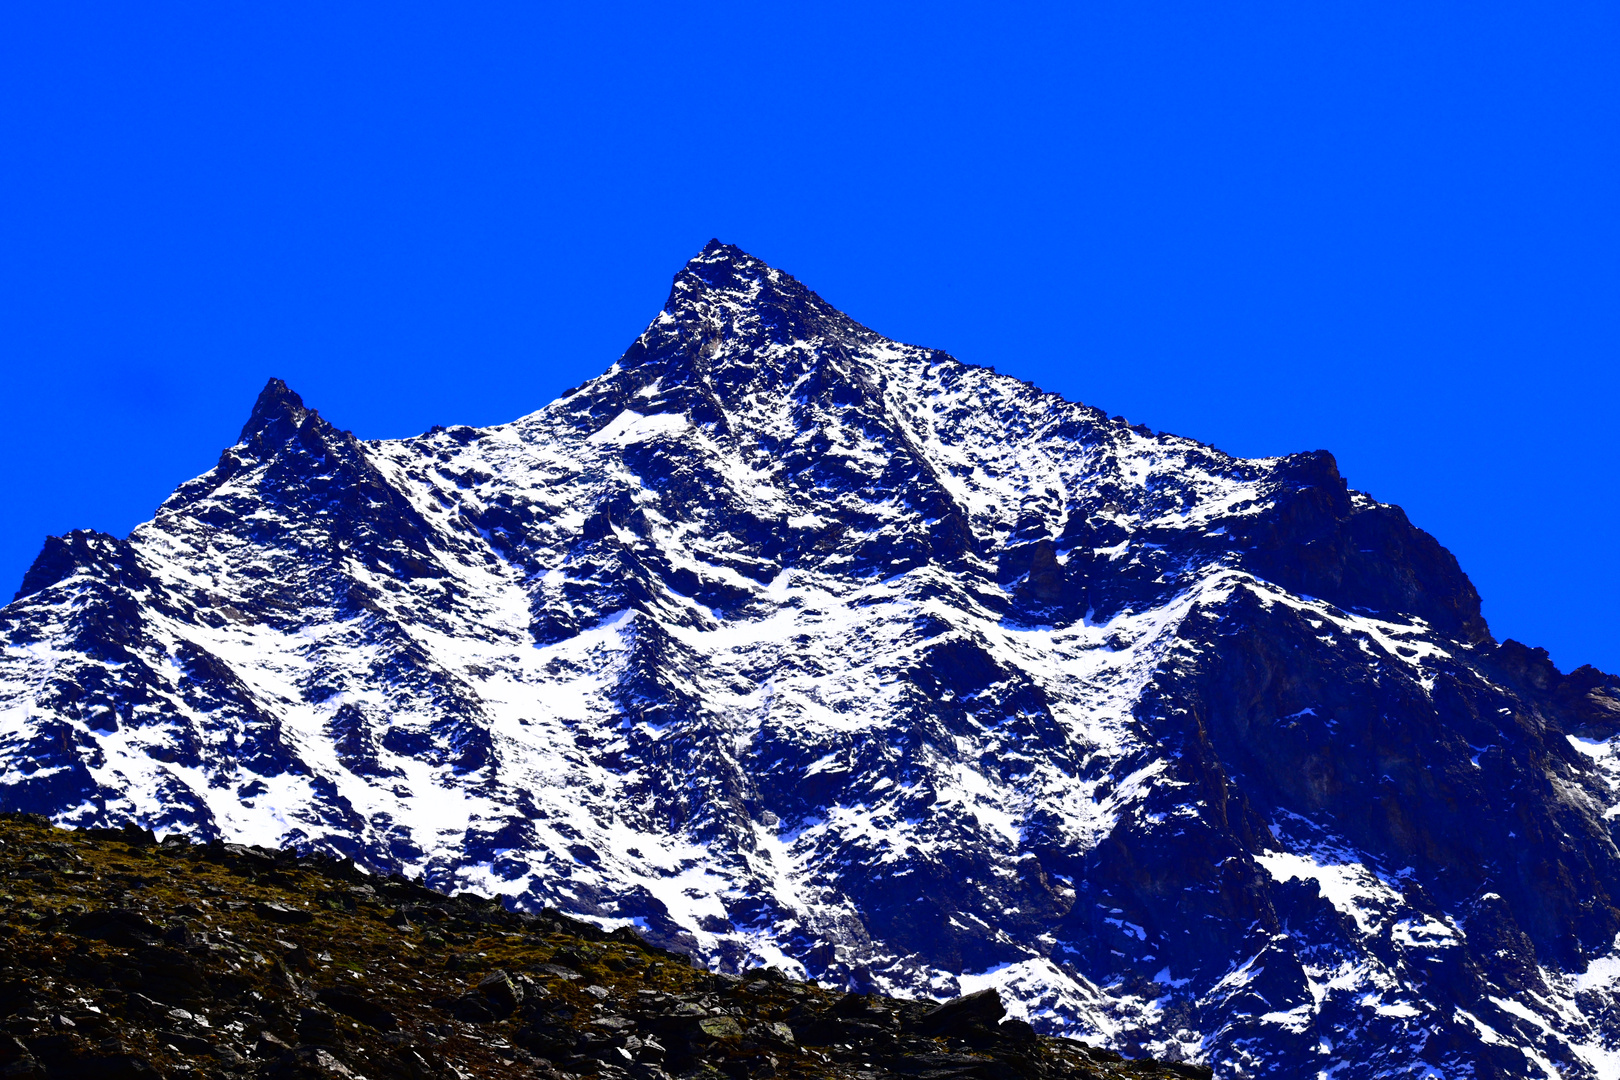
1387,229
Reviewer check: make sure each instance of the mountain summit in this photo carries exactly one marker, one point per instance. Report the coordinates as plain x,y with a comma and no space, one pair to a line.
788,644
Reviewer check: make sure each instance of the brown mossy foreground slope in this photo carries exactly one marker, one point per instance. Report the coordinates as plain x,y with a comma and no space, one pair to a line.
122,957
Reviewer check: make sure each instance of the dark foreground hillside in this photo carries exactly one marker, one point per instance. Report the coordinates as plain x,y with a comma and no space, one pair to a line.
121,957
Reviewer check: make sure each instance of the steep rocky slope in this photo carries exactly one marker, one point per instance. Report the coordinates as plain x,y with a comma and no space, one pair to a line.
790,645
122,957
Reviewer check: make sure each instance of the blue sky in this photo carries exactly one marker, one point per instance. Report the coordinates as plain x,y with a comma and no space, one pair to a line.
1388,230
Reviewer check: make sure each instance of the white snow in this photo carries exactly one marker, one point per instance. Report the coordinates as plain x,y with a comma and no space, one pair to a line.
789,674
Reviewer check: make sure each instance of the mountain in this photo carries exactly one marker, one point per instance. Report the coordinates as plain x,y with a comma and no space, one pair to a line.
787,644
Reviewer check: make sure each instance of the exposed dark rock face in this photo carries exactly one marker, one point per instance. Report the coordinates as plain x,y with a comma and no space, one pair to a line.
204,973
793,645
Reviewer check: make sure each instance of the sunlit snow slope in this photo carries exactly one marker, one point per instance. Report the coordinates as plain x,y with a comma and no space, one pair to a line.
793,645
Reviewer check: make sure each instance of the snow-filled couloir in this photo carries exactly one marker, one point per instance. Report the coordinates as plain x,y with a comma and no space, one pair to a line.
791,645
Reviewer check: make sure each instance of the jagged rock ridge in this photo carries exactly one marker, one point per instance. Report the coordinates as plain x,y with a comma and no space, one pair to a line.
790,644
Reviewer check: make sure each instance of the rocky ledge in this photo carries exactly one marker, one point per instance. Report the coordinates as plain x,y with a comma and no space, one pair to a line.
122,956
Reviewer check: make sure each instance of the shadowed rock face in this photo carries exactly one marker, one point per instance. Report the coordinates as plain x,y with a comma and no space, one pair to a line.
795,645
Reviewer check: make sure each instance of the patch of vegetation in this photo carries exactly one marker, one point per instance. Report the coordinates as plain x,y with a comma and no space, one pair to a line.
122,957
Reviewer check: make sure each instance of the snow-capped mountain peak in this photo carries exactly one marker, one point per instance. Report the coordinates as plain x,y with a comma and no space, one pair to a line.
790,644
